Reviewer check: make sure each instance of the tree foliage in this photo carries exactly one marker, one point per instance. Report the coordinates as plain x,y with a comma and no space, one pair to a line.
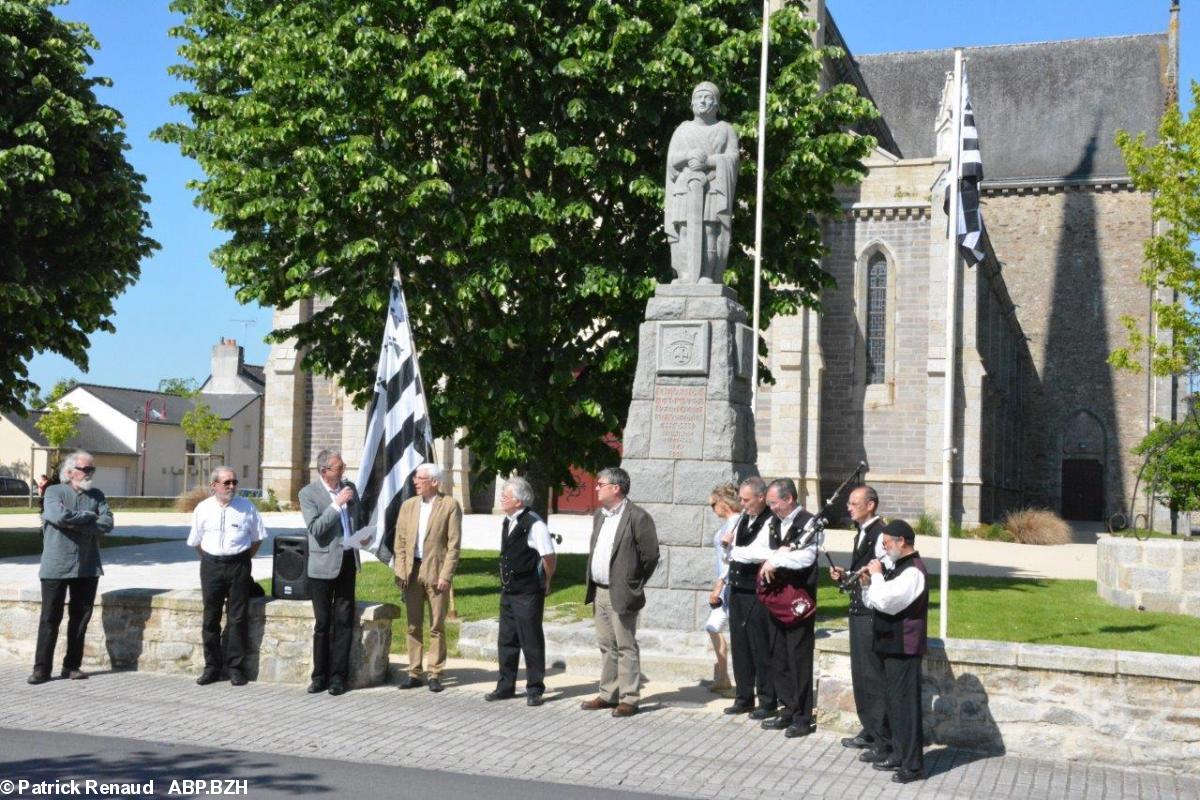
1172,469
203,426
1170,170
180,387
59,423
71,206
508,157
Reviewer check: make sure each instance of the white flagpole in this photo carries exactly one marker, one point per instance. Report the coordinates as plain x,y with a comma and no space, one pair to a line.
758,202
951,345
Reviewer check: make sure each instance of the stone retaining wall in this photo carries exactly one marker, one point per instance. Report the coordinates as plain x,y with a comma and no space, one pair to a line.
1074,703
1154,575
159,631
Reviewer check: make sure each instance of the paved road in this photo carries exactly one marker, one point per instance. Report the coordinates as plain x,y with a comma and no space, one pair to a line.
166,770
671,749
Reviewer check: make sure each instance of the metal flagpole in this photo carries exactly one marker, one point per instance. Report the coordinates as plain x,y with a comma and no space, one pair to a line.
758,201
951,345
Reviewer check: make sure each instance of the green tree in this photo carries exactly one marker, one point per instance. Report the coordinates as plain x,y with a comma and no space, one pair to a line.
203,427
1169,170
58,423
180,387
71,207
509,159
1172,469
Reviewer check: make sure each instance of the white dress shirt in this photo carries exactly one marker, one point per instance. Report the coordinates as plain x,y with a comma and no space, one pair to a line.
602,555
724,551
759,550
892,597
423,525
226,530
786,557
343,512
539,534
862,531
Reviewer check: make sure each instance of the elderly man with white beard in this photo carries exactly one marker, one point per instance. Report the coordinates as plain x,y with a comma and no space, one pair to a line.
74,518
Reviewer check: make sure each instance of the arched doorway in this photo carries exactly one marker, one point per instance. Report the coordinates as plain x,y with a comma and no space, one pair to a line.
1083,458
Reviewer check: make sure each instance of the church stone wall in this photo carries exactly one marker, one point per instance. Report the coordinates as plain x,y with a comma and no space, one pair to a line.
1071,257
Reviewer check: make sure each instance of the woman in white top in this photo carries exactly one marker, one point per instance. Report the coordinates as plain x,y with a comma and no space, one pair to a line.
724,503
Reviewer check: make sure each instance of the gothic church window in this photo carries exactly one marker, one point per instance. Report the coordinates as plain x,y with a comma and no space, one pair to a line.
877,281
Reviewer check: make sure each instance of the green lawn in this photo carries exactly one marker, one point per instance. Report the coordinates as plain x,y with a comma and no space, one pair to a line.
1001,609
29,543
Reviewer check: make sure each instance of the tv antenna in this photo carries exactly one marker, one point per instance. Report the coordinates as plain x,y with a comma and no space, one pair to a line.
246,324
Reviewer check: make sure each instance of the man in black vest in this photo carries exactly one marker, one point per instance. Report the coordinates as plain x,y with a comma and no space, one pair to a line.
866,668
527,563
900,598
749,631
794,564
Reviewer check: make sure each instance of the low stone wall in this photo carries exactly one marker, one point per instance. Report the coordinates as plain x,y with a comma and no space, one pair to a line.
1074,703
159,631
1152,575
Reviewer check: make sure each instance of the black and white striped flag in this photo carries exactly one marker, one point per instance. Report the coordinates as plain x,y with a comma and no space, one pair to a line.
399,437
970,217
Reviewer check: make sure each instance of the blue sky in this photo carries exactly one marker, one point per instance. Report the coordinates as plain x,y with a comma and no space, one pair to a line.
168,322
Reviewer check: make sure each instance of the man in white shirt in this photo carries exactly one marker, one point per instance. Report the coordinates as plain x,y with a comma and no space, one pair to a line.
622,557
900,597
527,563
749,630
226,532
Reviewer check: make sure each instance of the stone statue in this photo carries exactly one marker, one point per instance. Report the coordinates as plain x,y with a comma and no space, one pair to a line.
702,165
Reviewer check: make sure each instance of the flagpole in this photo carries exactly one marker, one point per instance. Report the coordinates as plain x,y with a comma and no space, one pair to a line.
951,345
758,201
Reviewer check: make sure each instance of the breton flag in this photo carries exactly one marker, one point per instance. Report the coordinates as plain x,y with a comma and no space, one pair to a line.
399,437
970,217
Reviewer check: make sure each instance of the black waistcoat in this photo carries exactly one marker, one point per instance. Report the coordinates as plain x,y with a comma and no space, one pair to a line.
905,633
518,561
801,578
742,575
862,555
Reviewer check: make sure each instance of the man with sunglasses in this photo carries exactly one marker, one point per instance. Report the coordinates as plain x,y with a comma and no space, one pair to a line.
74,517
226,532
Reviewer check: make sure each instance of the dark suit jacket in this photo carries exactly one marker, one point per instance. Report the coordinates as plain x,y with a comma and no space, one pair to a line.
324,523
634,558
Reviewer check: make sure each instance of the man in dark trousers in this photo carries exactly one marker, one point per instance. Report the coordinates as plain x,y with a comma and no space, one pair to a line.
866,668
331,514
749,631
527,563
793,562
622,557
900,598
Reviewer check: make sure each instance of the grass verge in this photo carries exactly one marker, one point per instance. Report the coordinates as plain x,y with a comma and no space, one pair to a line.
29,543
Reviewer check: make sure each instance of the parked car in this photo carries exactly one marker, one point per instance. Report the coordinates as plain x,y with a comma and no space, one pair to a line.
14,486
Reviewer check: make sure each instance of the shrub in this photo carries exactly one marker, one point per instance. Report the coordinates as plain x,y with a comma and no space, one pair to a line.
268,503
188,501
1037,526
925,525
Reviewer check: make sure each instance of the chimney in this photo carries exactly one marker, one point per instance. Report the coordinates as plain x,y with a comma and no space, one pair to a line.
227,360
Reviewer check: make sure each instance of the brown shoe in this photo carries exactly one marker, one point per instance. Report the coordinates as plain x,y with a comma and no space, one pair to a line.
624,710
74,675
595,704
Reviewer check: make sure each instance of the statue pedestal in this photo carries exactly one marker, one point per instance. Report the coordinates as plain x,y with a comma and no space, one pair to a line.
689,428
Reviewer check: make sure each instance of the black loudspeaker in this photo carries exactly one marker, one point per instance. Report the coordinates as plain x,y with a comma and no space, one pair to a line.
289,568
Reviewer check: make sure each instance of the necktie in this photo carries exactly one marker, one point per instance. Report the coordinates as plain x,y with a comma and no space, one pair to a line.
504,530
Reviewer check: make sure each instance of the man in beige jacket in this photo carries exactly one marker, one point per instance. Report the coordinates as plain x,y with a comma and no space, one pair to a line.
428,539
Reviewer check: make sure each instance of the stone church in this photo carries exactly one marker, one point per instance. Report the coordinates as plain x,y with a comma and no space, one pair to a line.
1040,419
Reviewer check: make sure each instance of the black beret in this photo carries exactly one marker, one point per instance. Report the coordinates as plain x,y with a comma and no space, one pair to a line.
899,529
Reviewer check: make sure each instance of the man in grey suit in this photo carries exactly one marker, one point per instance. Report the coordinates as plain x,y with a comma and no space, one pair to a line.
622,557
331,511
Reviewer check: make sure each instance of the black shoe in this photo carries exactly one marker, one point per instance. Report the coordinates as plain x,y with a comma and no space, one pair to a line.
73,675
316,687
763,713
859,742
236,677
435,685
337,686
492,697
410,682
38,677
534,700
908,776
874,756
738,708
207,677
796,731
889,764
777,723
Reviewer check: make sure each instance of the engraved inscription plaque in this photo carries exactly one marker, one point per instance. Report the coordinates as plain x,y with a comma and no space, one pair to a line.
677,423
683,348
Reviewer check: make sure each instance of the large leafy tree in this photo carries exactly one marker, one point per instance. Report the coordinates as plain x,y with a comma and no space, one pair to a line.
508,157
71,207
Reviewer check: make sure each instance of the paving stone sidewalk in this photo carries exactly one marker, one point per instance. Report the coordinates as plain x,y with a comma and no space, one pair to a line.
674,748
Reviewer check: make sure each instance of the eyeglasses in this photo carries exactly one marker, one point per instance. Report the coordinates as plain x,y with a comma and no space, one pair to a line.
601,483
86,470
227,483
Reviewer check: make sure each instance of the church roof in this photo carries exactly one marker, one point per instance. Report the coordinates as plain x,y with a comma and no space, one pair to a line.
1045,110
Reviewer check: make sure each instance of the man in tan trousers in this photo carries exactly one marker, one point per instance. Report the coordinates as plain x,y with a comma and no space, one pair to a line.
428,539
